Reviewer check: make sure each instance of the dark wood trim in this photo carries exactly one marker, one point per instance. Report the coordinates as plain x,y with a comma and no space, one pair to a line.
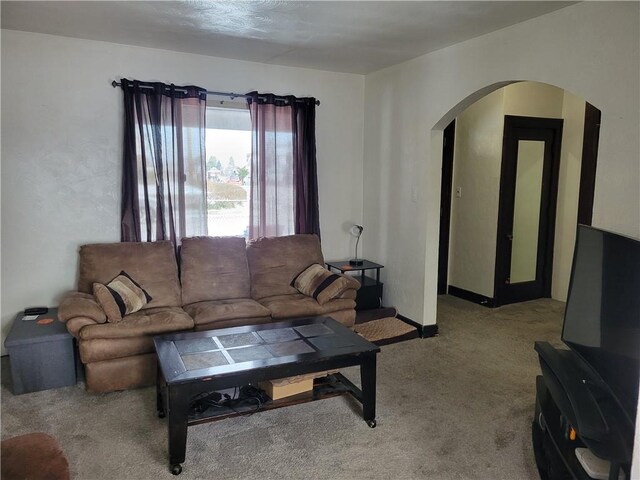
402,338
514,130
592,117
553,205
429,331
425,331
471,296
449,137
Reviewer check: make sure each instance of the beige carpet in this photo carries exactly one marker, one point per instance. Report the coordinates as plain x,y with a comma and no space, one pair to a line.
457,406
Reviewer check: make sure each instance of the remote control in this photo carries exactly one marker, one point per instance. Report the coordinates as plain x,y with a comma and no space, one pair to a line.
36,310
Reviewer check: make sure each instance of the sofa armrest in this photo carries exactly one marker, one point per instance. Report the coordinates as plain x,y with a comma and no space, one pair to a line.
77,304
75,324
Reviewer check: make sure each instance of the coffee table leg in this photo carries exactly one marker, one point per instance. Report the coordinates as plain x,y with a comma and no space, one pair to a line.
178,412
159,402
368,382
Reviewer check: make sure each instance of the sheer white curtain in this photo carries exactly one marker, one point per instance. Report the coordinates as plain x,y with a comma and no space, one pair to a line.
272,183
284,179
163,183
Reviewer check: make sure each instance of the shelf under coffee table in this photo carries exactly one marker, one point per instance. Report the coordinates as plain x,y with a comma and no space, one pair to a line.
194,363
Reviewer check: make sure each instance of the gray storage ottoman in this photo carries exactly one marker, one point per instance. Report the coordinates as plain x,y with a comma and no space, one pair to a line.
41,355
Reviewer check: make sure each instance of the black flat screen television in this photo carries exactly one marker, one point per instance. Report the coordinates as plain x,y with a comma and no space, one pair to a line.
602,317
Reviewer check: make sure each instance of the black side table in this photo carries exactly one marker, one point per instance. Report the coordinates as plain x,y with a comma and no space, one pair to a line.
370,293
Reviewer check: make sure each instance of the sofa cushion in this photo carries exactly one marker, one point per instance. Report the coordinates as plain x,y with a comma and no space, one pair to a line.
232,322
213,268
121,373
217,310
99,349
275,261
151,321
152,264
299,305
338,304
345,317
317,282
120,297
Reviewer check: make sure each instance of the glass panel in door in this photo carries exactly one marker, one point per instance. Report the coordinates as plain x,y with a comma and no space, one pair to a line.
526,213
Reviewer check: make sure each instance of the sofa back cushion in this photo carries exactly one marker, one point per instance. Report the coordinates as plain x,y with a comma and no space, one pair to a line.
274,262
213,268
151,264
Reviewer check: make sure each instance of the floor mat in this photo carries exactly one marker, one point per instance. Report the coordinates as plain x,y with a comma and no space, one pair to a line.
384,331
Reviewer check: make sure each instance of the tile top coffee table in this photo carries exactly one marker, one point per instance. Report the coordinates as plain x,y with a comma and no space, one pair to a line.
194,363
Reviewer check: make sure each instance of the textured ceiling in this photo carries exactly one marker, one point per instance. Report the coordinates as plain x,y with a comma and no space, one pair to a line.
355,37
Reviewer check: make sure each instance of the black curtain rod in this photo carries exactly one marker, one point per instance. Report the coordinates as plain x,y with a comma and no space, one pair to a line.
115,84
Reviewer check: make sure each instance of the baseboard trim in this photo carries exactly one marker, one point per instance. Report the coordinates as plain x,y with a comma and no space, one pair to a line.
425,331
471,296
401,338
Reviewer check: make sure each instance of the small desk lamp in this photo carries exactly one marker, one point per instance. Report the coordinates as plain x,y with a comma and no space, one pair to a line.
356,231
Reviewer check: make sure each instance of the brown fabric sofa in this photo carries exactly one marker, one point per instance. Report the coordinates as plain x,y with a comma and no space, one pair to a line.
223,283
216,285
118,356
275,261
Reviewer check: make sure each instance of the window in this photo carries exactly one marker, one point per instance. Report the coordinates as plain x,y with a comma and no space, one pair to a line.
170,191
228,169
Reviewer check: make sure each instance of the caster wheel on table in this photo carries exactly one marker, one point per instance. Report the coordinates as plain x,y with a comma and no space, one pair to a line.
161,414
176,469
371,423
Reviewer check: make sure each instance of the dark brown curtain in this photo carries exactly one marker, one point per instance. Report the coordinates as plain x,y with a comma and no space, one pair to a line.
163,180
305,171
284,185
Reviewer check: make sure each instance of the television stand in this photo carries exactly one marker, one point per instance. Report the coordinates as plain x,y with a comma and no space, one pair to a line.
575,409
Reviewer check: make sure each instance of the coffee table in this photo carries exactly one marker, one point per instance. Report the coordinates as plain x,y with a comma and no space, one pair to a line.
194,363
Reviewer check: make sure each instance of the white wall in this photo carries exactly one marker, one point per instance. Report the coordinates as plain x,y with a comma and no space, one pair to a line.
591,49
573,110
477,166
477,159
62,144
533,99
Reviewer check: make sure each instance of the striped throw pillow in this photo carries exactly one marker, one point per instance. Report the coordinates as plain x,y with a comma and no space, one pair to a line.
120,297
319,283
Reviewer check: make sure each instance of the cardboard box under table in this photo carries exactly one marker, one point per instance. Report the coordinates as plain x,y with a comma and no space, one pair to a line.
287,387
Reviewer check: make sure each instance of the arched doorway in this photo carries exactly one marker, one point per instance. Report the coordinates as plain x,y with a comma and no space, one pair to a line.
480,146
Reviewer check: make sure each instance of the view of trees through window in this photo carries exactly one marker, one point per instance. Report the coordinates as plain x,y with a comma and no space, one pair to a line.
228,168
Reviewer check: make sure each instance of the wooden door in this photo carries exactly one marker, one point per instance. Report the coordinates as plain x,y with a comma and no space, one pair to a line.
527,208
